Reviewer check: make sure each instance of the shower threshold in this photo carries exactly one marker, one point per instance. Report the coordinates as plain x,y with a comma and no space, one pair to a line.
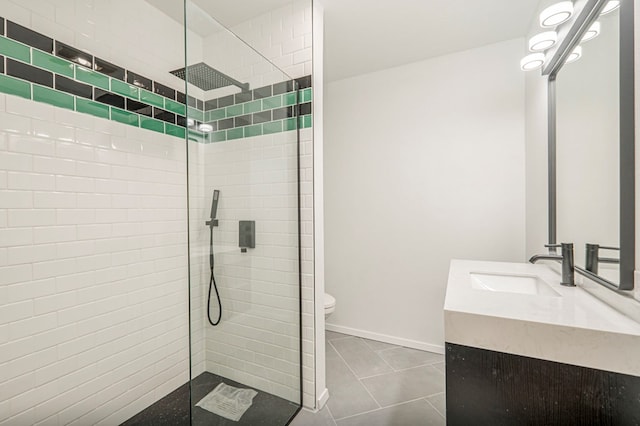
173,409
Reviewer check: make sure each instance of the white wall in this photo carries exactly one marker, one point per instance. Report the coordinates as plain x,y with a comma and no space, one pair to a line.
423,163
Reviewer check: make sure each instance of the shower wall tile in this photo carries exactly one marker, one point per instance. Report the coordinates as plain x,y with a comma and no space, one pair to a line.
92,250
91,77
125,89
81,82
14,86
27,72
53,97
13,49
29,37
92,108
52,63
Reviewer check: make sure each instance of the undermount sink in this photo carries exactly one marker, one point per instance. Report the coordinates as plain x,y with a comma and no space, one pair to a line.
508,283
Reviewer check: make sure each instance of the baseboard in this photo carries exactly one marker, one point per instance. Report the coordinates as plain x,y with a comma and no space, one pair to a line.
423,346
324,397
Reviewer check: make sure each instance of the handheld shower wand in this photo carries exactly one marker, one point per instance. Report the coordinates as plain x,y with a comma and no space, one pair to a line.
212,281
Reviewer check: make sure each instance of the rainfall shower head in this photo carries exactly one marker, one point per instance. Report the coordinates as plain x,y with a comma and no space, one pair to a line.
206,78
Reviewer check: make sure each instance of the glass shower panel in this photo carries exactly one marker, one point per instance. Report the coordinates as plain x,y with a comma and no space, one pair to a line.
93,218
244,227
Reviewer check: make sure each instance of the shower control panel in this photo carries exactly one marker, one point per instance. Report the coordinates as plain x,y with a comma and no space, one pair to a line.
247,234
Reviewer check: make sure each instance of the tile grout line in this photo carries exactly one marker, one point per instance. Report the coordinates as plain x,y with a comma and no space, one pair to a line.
355,375
434,407
400,371
376,354
383,408
330,414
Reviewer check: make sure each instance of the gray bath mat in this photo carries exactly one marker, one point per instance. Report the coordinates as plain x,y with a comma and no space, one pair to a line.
227,401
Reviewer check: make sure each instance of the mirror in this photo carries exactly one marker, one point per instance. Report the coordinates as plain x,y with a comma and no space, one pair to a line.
592,142
587,151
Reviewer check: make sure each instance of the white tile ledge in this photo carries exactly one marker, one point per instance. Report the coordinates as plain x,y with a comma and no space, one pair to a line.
576,328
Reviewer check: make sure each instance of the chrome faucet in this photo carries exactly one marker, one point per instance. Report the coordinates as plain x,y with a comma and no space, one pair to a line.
568,265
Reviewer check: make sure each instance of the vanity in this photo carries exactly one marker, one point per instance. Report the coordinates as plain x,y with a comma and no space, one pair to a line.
523,349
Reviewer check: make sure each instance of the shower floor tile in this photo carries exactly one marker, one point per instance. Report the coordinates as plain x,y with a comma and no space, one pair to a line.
173,409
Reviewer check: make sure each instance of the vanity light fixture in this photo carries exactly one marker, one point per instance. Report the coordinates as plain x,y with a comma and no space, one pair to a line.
205,128
532,62
574,55
556,14
543,41
592,32
610,7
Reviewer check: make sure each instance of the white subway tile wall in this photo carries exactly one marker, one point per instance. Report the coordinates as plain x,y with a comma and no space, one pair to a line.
93,271
93,264
257,343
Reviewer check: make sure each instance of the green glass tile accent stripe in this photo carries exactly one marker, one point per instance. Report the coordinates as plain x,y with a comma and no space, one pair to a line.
196,114
91,77
306,95
174,106
272,102
255,130
236,133
15,50
124,89
216,114
52,63
14,86
93,108
151,98
234,110
220,136
290,98
255,106
305,121
152,124
53,97
290,124
173,130
125,117
272,127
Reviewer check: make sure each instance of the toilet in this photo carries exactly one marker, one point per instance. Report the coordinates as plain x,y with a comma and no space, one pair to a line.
329,305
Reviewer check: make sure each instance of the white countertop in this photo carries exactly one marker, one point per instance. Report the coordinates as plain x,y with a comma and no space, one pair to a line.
574,328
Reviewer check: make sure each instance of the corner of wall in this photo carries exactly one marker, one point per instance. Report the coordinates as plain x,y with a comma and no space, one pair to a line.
318,202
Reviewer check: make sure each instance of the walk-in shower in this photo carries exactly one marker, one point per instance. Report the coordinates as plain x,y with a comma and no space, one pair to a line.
123,187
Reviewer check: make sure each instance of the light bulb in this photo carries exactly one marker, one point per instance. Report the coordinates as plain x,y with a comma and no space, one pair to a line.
543,41
205,128
556,14
592,32
532,62
575,55
610,7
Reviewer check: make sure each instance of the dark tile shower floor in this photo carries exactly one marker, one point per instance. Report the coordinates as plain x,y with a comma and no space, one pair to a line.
173,409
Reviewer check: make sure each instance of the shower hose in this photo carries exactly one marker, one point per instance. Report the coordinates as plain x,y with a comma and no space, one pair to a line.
212,284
